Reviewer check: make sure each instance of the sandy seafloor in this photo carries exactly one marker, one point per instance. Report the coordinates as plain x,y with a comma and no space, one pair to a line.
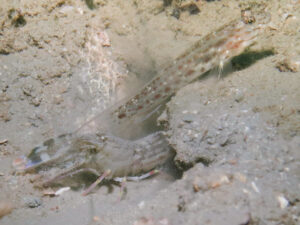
237,138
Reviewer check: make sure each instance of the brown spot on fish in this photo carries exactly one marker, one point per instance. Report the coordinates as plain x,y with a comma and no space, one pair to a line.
183,55
213,54
234,45
190,72
157,96
237,29
137,97
206,58
207,38
221,42
144,92
167,89
177,81
196,57
122,115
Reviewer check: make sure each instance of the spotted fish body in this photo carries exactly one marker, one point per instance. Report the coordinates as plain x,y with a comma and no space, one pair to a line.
213,50
67,152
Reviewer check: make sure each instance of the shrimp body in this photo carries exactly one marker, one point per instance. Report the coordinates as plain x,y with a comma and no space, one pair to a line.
95,154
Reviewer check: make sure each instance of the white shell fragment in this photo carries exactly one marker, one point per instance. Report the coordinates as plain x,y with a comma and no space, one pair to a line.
62,190
283,202
255,188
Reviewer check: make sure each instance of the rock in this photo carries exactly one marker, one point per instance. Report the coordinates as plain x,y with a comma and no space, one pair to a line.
32,201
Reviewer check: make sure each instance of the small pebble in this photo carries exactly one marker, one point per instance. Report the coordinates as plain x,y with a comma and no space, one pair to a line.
210,141
239,96
188,118
32,202
283,202
224,141
3,141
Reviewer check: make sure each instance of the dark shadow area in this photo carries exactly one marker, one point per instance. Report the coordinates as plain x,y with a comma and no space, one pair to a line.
183,166
237,63
17,18
246,59
90,4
